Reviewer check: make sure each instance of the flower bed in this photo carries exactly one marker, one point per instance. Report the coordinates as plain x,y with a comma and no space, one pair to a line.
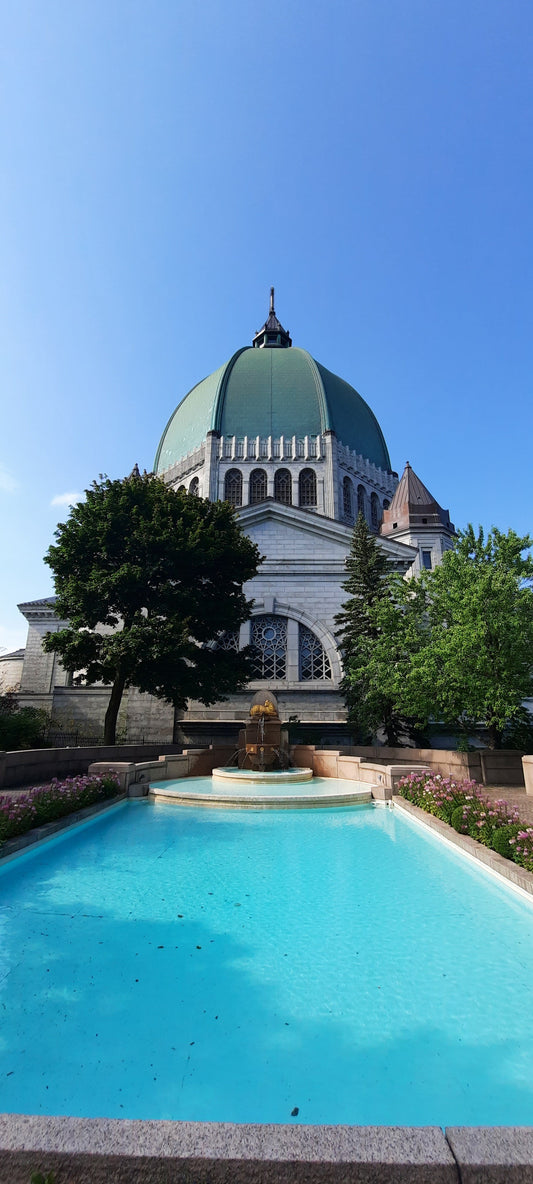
462,805
38,806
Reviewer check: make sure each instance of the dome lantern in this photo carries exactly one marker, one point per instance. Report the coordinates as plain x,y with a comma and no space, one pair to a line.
272,335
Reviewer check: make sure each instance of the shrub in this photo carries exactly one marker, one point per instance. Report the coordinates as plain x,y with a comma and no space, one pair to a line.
522,847
459,821
504,838
20,727
37,806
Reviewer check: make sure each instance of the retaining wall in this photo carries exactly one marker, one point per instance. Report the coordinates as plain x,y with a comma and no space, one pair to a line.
135,776
35,765
487,766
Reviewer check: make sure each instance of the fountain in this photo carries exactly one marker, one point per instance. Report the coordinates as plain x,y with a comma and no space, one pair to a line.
263,752
261,776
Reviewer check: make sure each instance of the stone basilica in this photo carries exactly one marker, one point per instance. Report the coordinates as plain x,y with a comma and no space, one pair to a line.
299,454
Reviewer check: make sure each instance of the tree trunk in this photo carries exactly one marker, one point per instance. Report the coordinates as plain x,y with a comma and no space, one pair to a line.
495,736
115,699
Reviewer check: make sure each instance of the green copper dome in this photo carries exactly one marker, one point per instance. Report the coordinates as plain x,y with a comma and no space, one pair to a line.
272,392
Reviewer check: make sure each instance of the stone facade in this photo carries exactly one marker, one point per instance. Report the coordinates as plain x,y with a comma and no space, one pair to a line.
11,671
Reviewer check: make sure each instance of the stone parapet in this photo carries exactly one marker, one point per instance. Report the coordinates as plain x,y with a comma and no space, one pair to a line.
36,765
487,766
527,764
135,777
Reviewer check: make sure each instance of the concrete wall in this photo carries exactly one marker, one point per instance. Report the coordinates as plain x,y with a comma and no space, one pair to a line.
34,766
134,775
488,767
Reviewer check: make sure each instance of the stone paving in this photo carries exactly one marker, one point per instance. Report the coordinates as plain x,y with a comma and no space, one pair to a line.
515,795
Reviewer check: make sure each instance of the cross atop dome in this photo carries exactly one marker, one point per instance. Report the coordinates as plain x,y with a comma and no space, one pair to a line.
272,335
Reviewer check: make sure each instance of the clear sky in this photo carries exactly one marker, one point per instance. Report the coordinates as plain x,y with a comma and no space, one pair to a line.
163,162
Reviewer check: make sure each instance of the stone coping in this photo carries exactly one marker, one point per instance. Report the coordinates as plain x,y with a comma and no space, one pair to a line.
122,1151
517,876
256,776
41,834
241,801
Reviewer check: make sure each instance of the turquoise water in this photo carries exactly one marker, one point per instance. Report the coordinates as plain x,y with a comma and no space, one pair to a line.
167,962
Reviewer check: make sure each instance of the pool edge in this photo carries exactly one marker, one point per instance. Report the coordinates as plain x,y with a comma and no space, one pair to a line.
115,1150
515,877
89,1151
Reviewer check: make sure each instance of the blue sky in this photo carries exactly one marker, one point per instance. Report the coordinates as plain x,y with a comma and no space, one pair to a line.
164,162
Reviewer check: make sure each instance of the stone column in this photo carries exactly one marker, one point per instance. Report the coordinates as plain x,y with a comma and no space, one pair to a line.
293,663
331,477
210,476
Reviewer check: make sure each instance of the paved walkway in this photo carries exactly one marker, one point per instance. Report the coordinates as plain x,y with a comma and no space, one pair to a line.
515,795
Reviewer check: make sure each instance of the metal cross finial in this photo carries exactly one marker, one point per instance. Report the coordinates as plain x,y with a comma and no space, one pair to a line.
271,300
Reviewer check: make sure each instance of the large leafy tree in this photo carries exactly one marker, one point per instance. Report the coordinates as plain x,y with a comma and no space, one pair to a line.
147,578
475,666
456,644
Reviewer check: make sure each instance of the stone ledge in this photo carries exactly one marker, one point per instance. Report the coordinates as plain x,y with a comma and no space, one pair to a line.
496,863
493,1155
91,1151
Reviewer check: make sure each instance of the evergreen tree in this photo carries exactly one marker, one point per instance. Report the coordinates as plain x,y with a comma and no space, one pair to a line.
368,587
147,578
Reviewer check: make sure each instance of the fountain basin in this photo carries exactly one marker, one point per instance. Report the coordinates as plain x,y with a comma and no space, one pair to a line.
245,793
261,777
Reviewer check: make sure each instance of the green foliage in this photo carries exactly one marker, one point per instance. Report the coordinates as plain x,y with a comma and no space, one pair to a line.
458,820
39,1178
367,612
501,837
20,727
456,643
147,578
475,665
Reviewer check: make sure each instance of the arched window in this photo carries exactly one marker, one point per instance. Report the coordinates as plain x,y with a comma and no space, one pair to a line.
233,487
283,487
361,500
194,487
386,504
258,486
347,499
375,514
307,488
269,647
313,659
182,489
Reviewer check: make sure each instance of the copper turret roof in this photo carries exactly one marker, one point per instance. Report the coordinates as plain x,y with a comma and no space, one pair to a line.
414,507
272,335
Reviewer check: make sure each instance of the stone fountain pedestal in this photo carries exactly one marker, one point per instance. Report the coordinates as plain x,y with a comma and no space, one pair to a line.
263,743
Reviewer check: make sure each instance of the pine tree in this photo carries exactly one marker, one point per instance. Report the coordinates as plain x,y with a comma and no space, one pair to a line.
366,566
371,594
